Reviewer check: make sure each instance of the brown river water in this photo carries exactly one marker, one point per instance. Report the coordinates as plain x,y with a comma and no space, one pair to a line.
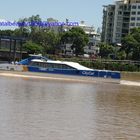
45,109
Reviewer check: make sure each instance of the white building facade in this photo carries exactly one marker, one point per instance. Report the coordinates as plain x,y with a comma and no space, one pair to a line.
125,15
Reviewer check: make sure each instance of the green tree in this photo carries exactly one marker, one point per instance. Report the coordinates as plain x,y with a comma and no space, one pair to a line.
106,50
21,32
32,48
35,20
29,29
131,44
47,39
121,55
77,37
136,52
6,32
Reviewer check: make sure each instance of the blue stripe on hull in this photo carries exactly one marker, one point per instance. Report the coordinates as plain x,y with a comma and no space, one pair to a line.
93,73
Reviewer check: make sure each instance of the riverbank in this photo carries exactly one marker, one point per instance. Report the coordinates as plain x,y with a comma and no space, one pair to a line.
108,64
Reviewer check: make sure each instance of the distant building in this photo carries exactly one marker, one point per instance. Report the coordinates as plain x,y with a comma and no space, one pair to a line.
94,39
119,19
108,23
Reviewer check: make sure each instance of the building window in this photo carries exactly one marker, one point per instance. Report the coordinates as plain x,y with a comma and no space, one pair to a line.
119,23
118,29
132,24
126,13
125,7
134,7
120,7
118,35
133,13
138,24
133,18
119,18
126,19
138,18
138,12
119,13
139,7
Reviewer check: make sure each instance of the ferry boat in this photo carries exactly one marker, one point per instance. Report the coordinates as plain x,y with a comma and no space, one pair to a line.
37,63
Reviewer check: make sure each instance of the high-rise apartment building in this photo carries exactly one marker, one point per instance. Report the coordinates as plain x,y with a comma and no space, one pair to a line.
119,19
108,23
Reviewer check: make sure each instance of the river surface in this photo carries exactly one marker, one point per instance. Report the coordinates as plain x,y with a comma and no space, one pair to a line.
39,109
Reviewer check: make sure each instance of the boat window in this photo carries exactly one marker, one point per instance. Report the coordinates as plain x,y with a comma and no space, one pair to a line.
34,64
51,65
59,66
44,65
38,64
64,66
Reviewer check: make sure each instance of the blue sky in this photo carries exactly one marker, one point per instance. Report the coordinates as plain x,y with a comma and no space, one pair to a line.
75,10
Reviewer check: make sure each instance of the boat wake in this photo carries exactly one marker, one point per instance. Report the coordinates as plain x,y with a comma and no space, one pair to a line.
44,77
129,83
53,77
59,77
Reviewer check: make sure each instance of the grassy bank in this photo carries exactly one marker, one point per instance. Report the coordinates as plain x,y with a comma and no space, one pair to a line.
115,66
128,66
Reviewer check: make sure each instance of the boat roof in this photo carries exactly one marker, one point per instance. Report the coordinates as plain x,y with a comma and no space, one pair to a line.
72,64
